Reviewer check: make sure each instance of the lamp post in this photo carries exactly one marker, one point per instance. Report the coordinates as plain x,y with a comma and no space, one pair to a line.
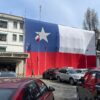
86,57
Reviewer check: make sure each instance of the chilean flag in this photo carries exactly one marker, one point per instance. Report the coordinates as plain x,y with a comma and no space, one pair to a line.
52,45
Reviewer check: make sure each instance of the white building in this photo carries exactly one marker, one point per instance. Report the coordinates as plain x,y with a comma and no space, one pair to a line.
12,54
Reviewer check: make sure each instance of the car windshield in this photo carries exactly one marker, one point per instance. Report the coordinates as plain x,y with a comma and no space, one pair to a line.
72,71
5,94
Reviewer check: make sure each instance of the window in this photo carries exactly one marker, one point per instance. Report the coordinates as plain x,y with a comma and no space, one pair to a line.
3,37
63,71
72,71
2,49
3,24
14,37
20,38
21,25
31,92
6,93
42,86
15,25
98,75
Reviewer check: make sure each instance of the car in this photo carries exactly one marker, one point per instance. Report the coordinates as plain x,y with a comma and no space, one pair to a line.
50,73
7,74
25,89
68,74
89,86
82,71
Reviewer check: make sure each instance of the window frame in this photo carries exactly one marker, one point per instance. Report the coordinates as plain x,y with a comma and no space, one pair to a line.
21,25
3,24
3,38
3,50
14,37
15,24
21,38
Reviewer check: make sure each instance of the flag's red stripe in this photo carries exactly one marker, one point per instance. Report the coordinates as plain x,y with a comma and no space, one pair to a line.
44,60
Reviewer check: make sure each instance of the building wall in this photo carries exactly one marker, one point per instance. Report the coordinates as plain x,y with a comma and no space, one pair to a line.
12,46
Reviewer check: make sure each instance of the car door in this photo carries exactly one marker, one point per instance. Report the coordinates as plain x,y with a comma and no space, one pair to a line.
60,74
64,75
67,75
45,93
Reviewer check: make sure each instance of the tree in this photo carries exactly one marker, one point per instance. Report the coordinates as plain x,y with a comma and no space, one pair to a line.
91,21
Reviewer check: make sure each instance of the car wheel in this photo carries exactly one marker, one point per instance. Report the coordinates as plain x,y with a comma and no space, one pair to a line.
44,77
71,81
58,79
53,98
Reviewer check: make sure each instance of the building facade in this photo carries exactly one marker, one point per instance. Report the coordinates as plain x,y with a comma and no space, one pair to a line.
12,56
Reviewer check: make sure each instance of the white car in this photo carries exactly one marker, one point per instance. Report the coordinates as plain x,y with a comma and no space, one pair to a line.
70,75
82,71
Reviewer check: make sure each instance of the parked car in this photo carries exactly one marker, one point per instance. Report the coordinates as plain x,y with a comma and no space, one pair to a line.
24,89
82,71
50,73
7,74
89,86
67,74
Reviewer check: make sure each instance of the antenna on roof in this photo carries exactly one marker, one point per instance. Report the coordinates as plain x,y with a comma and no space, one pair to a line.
40,10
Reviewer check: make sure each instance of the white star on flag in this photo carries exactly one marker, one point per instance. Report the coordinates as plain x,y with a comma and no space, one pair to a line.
42,35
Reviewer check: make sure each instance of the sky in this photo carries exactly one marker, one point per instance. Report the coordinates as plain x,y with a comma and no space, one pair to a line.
64,12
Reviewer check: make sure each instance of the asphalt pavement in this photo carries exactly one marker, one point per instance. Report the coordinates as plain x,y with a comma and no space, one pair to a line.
63,91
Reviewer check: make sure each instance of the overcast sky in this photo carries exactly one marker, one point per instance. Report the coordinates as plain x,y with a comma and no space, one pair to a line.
64,12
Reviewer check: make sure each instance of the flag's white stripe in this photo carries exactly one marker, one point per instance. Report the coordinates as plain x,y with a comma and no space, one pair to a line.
74,40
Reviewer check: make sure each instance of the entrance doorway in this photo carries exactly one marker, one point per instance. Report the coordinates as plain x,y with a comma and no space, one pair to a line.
8,66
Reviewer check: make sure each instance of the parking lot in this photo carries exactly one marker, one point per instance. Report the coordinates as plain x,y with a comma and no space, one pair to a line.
63,91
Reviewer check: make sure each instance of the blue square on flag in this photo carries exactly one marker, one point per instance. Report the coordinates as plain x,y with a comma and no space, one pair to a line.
40,36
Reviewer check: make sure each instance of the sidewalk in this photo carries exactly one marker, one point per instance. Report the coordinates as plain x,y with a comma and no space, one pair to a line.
38,76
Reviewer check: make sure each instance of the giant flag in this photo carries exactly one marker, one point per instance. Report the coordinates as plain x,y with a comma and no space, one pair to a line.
52,45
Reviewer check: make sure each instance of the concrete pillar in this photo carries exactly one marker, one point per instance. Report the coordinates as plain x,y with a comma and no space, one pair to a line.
98,62
20,68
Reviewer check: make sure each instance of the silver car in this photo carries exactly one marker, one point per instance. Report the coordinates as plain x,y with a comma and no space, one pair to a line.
67,74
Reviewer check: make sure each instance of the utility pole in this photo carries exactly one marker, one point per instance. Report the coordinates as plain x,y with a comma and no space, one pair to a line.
40,10
38,56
